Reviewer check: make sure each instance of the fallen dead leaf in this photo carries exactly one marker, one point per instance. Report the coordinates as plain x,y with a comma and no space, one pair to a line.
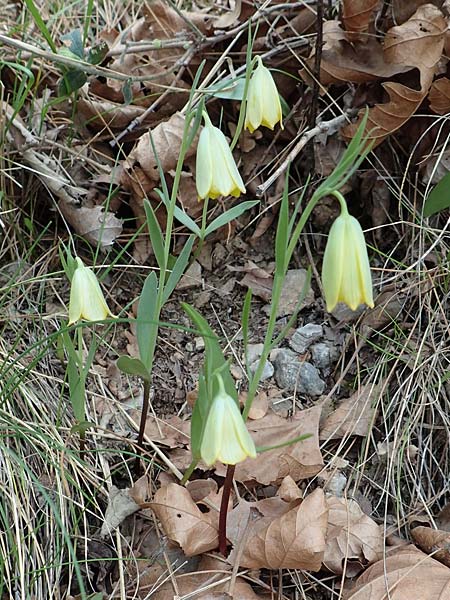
167,137
289,490
182,520
356,15
354,540
172,432
401,575
353,415
294,540
433,541
92,223
120,506
439,96
417,43
299,460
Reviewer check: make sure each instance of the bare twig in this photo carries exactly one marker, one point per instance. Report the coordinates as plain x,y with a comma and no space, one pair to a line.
324,127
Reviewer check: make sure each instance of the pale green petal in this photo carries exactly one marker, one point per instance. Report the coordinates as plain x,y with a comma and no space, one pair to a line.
204,165
225,437
333,263
213,433
263,101
364,274
94,303
86,297
346,273
76,296
225,174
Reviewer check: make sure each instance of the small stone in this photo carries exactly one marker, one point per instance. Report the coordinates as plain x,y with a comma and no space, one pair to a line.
192,278
254,352
291,374
304,336
267,372
323,355
199,343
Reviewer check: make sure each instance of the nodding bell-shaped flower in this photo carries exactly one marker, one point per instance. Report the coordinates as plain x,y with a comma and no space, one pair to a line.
86,298
216,171
263,100
225,437
346,271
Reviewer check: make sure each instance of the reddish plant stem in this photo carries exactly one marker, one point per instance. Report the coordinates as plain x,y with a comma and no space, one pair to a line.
226,490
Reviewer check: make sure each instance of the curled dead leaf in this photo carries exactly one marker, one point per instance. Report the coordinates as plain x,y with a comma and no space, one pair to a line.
354,540
417,43
433,541
182,520
293,540
401,575
299,460
439,96
356,15
167,138
353,416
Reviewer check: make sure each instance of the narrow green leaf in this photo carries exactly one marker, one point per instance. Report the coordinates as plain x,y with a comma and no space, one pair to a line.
439,197
146,322
156,236
245,319
282,235
34,10
180,215
178,269
230,215
229,90
132,366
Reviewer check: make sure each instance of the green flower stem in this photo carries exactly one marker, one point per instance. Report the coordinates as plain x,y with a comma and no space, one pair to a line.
276,295
342,201
248,73
79,335
162,279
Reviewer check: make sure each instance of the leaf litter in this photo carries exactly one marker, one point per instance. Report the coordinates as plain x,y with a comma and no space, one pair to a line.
279,517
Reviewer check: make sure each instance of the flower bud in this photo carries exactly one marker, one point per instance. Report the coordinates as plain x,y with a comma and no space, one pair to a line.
225,437
86,298
216,171
346,271
263,100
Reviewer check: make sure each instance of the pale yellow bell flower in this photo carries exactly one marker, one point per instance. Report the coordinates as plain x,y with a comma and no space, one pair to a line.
346,273
86,297
225,437
263,100
216,173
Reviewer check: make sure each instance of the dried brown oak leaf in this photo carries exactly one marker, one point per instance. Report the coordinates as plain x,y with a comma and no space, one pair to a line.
353,415
405,574
354,540
356,15
433,540
299,460
439,96
294,540
417,43
182,520
167,138
343,61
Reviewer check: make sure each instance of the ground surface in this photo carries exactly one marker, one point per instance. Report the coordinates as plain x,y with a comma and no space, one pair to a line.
371,484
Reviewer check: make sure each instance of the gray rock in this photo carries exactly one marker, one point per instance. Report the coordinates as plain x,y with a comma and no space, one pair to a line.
254,352
292,374
323,355
304,336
